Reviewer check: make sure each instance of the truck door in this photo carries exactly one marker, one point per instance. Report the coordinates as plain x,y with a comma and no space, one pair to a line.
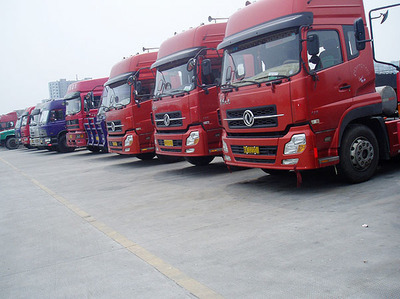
330,94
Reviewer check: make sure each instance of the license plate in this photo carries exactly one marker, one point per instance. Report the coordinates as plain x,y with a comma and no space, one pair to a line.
114,143
251,150
97,138
168,143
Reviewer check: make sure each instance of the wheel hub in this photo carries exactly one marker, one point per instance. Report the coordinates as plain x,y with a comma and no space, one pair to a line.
361,153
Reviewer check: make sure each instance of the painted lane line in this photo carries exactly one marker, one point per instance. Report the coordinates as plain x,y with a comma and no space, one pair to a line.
194,287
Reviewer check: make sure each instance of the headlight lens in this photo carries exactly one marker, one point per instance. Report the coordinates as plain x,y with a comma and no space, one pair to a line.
193,138
129,140
224,147
296,145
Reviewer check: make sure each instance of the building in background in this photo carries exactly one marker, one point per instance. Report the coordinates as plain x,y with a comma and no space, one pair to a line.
58,89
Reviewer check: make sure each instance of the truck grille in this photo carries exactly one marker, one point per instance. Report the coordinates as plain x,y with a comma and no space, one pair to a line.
73,124
115,144
114,126
264,117
169,119
249,160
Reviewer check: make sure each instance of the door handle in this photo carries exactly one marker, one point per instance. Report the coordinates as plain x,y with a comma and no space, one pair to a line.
344,87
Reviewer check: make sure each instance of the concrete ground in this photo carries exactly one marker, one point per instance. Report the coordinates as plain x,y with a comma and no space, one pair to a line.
84,225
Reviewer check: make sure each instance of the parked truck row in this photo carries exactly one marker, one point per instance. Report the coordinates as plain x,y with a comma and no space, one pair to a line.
291,88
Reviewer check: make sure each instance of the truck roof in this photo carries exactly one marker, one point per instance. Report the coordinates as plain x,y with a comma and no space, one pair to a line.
54,104
28,111
123,69
12,116
183,44
85,85
254,19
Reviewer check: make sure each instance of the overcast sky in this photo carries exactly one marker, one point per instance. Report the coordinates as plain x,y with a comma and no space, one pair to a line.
46,40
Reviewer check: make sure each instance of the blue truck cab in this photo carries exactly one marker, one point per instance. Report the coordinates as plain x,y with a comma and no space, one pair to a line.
52,126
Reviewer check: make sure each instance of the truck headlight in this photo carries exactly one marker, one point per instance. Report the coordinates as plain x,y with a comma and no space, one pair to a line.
224,147
296,145
129,140
193,138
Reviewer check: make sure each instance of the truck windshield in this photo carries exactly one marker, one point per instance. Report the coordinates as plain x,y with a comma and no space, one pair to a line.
18,123
24,120
43,116
118,94
173,81
105,103
270,57
73,106
34,119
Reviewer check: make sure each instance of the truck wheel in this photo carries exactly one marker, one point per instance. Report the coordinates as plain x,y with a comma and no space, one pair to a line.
62,146
359,154
12,143
146,156
200,161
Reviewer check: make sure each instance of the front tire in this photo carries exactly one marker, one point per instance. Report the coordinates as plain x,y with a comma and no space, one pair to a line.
359,154
12,143
62,146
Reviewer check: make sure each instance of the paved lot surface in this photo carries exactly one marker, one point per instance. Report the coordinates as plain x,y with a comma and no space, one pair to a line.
84,225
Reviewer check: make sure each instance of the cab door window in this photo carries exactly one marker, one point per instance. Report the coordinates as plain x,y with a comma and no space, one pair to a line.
330,52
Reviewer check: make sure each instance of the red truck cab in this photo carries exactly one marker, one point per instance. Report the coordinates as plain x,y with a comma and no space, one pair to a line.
186,95
79,108
128,92
25,127
298,91
8,121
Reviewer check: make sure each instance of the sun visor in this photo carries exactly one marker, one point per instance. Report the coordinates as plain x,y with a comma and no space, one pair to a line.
290,21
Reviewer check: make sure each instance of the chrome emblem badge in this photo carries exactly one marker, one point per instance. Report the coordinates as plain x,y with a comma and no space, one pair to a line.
112,126
167,120
248,118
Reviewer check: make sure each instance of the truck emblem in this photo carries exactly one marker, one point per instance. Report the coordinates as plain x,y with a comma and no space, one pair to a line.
112,126
167,120
248,118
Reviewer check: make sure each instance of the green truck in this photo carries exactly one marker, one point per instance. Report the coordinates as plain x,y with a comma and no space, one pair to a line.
7,130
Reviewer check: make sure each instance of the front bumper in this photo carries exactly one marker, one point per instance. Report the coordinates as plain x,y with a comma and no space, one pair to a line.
176,144
76,139
129,144
268,153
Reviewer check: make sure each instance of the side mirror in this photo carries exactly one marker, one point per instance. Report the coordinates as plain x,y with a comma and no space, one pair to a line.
89,99
359,31
137,90
130,80
206,67
138,87
313,44
191,64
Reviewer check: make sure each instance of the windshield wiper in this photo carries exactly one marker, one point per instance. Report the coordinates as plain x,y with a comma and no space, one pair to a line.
228,87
